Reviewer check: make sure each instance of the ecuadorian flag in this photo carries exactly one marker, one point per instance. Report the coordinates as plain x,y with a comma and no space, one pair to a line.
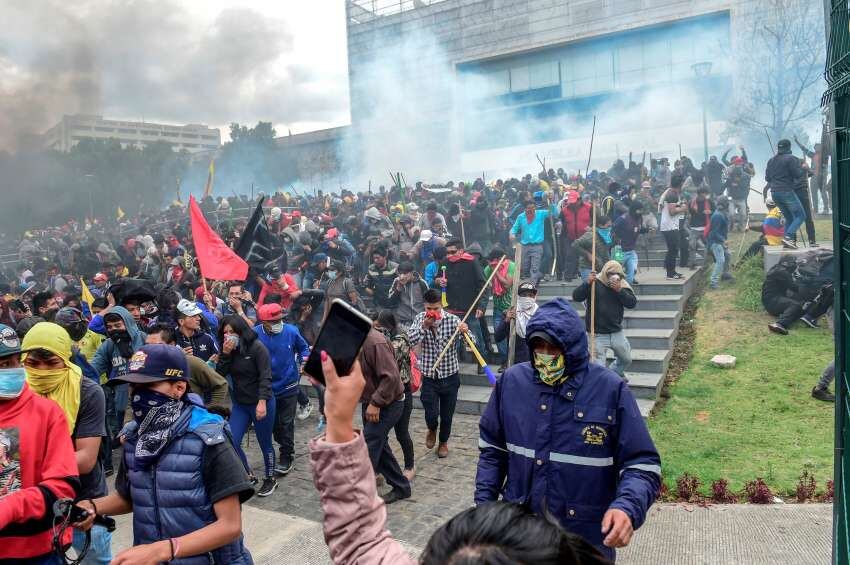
86,298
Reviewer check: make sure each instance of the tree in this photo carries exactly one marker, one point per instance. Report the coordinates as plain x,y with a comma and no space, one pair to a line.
781,58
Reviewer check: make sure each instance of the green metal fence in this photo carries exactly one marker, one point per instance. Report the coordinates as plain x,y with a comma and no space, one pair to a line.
837,98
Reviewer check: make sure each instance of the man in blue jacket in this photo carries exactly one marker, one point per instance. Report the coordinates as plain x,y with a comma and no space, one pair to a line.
284,342
566,436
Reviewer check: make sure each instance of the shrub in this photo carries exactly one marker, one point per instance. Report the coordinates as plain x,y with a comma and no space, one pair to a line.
829,493
806,487
687,488
748,280
758,492
721,494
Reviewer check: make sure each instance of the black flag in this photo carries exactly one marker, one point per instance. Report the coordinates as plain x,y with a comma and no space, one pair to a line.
259,247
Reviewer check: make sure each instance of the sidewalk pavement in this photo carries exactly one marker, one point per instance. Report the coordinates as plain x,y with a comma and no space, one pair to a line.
674,533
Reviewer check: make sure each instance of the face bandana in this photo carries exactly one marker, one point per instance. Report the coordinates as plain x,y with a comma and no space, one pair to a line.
155,413
122,340
59,385
550,368
12,382
526,306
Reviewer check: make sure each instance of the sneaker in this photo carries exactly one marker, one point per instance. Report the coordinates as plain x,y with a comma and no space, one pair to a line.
788,243
823,394
676,276
268,486
810,322
394,496
320,427
253,480
777,328
303,412
635,282
283,468
727,277
813,244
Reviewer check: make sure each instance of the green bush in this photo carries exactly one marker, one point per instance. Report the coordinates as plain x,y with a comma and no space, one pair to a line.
748,281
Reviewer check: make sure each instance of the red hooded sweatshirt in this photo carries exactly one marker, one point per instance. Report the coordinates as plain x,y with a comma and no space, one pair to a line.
42,448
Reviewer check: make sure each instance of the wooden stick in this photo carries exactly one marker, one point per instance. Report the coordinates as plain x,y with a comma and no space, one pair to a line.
589,153
514,288
593,289
462,230
468,312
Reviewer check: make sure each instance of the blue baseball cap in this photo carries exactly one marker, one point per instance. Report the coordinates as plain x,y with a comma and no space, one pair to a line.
154,363
10,343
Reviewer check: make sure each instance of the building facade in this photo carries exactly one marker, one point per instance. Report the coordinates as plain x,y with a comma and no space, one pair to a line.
72,129
501,81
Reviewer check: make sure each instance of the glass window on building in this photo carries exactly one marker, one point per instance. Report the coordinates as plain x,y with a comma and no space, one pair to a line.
519,79
588,71
543,75
629,65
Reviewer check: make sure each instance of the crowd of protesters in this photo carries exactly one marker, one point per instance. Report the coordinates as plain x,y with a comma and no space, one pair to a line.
101,316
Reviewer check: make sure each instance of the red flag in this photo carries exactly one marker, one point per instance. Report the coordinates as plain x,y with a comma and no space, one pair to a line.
217,260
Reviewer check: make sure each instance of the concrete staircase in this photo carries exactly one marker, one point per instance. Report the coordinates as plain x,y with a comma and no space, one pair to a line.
652,327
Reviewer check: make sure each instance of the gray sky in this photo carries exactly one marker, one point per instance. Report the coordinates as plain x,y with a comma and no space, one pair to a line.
198,61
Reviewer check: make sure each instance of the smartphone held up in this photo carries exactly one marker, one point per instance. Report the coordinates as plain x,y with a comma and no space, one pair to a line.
341,336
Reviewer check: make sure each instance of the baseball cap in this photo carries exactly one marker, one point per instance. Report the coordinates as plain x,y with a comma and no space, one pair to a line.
99,277
10,343
526,287
425,235
545,337
270,313
154,363
188,308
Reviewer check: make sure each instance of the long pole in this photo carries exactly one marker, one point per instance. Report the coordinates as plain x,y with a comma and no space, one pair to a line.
593,289
462,229
468,312
590,153
514,289
704,131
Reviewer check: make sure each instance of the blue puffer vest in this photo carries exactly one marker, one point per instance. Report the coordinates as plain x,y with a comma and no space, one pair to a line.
169,498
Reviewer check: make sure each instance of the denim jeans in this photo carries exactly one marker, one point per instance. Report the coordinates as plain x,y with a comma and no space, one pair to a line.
100,550
117,399
376,435
439,398
827,376
721,263
532,256
502,346
792,211
630,263
241,417
619,344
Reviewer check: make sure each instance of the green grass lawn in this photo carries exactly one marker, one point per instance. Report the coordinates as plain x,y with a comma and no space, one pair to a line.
758,419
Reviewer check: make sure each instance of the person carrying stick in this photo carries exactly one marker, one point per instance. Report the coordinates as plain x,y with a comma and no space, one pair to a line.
434,329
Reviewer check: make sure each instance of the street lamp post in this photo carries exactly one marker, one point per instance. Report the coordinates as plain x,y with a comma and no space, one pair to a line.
702,70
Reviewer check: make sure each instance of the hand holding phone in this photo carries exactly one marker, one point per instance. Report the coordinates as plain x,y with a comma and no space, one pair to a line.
342,334
342,397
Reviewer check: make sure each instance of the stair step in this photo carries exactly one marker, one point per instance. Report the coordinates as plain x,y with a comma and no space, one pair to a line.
473,400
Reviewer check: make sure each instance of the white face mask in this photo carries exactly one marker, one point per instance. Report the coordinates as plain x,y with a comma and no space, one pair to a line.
276,328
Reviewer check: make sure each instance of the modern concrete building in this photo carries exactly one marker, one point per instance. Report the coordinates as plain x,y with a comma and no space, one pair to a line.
72,129
495,82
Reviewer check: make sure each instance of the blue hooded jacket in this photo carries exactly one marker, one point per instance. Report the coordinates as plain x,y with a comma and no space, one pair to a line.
107,358
576,449
283,348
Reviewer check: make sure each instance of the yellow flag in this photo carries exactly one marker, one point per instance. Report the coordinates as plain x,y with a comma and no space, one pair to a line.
121,213
86,297
210,176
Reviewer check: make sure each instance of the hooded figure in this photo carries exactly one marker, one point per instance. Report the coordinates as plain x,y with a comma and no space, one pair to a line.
565,436
112,355
62,385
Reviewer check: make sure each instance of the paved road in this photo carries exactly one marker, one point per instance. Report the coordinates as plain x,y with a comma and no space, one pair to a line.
286,527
